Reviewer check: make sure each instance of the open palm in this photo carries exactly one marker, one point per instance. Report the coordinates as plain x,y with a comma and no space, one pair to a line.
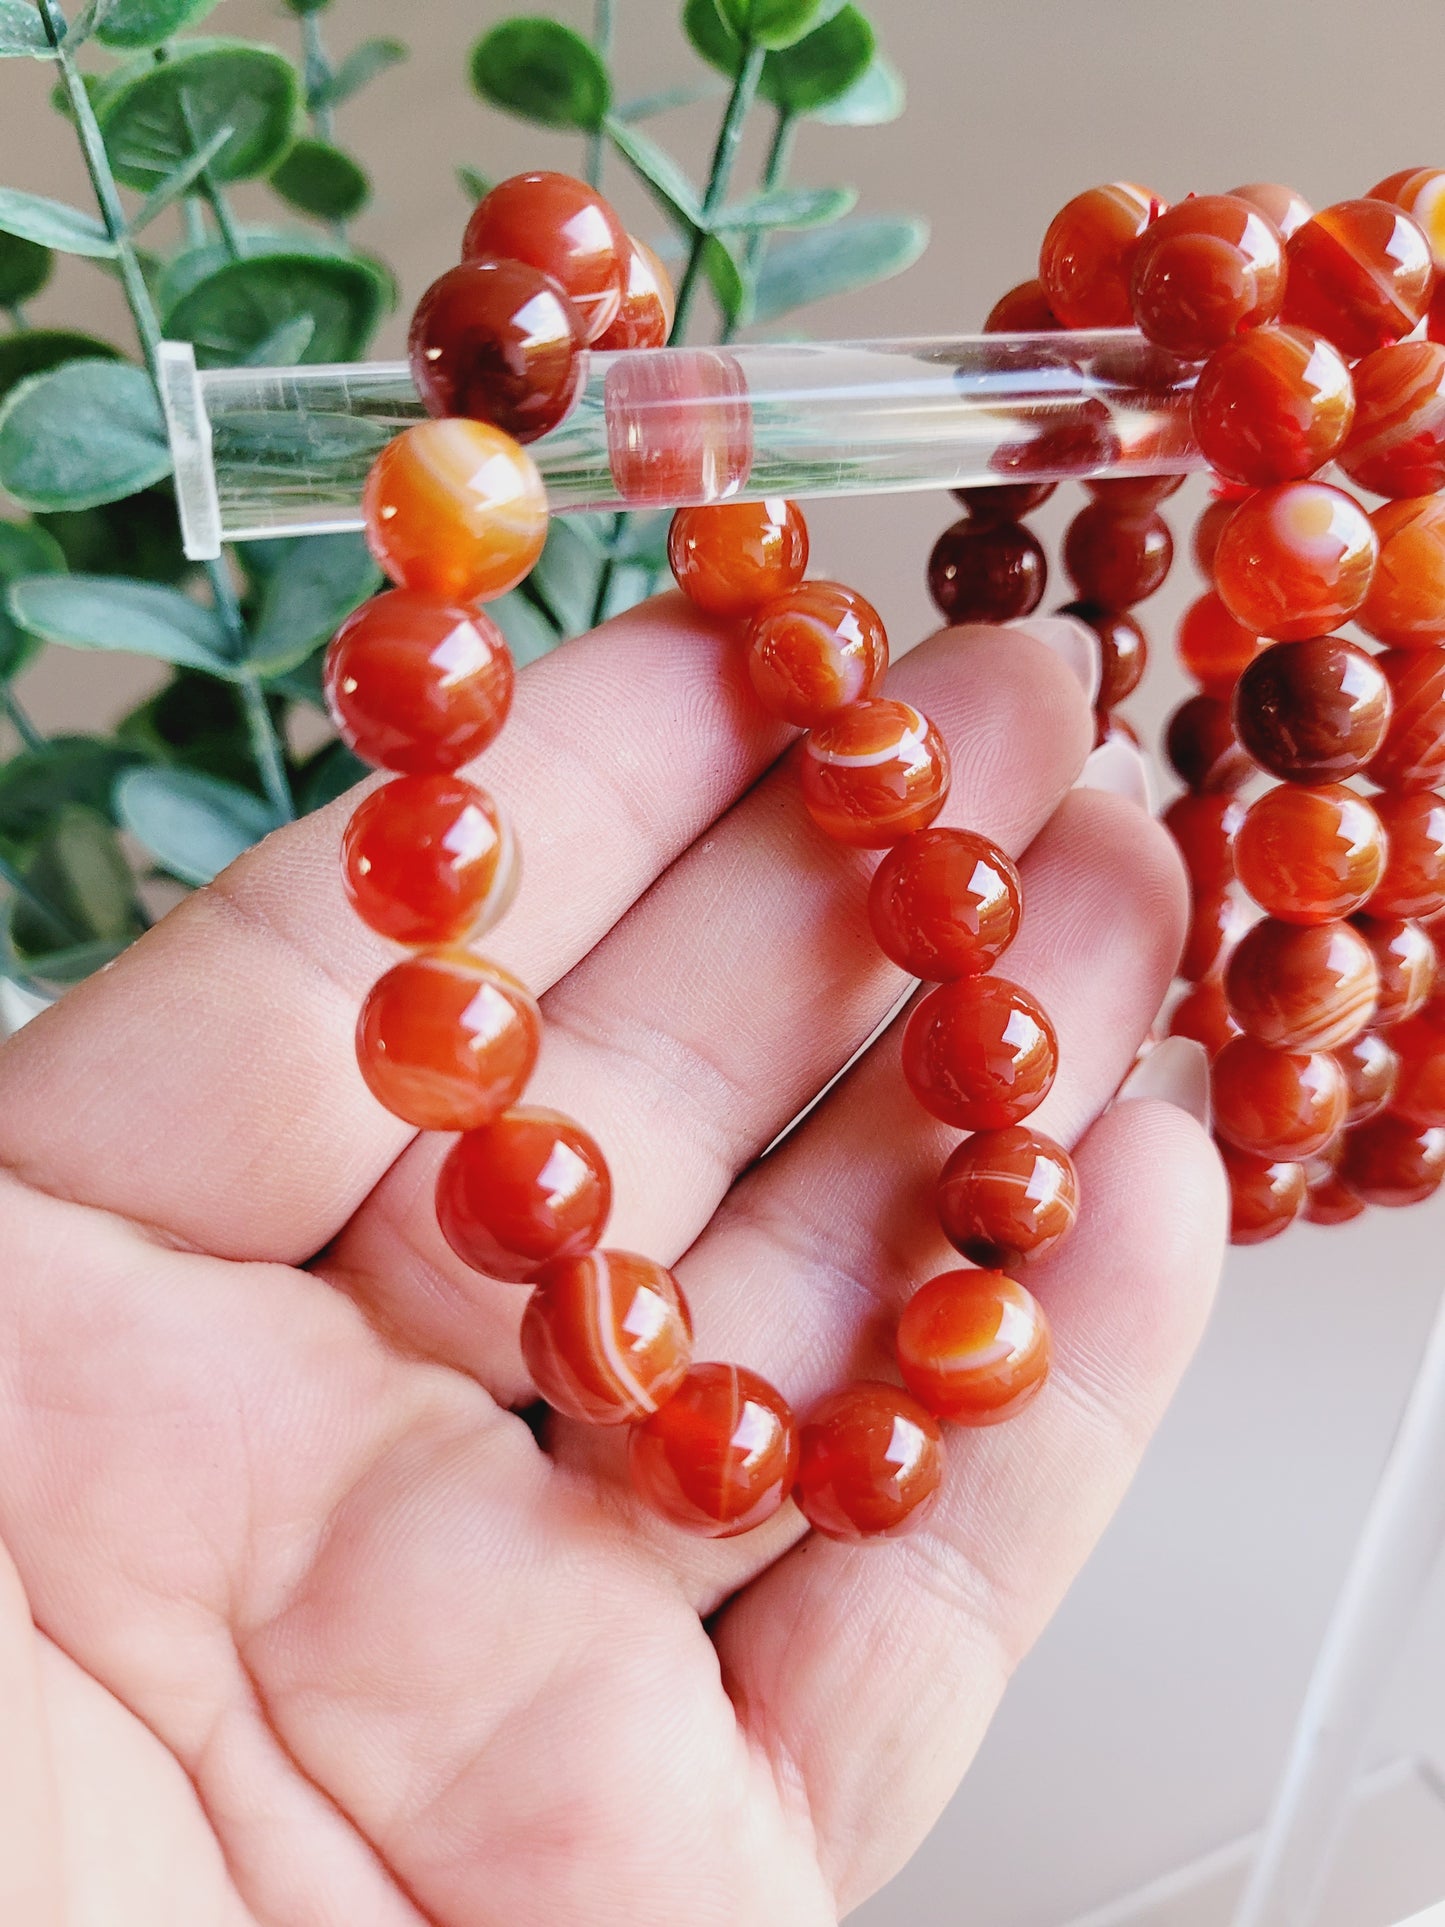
305,1626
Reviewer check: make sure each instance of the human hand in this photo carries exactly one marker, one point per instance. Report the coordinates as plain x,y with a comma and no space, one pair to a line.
322,1636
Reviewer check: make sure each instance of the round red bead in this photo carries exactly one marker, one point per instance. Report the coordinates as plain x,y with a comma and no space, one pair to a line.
732,557
1412,755
1205,827
945,903
1406,603
562,227
1203,1014
1024,310
814,652
1203,749
869,1463
1088,253
1397,445
979,1053
1217,920
1420,191
1296,560
1328,1199
1266,1195
874,774
1210,267
1006,1197
644,319
606,1336
528,1188
1003,501
1359,274
1117,559
1310,855
1312,711
1123,650
720,1456
447,1041
1419,1044
986,571
429,860
1301,987
1371,1070
973,1347
1213,647
1278,203
1277,1104
1392,1162
1406,959
1414,881
499,342
1273,406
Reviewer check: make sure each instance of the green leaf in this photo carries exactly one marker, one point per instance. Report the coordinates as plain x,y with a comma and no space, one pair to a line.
81,434
138,535
542,71
878,95
146,23
36,784
771,23
181,181
331,772
658,171
33,351
154,117
322,180
475,186
23,32
360,67
195,720
113,613
52,224
819,69
78,865
24,550
192,824
836,260
789,207
25,267
232,310
647,106
85,23
315,583
712,37
725,279
285,345
566,575
529,634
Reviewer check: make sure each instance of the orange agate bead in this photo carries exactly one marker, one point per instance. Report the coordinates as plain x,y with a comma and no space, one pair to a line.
1397,445
1204,827
1217,920
529,1188
418,683
1203,1014
1294,561
731,558
455,509
1419,1043
1273,406
1371,1070
679,427
1005,1197
1420,191
1266,1195
1406,604
563,228
1312,711
973,1347
1405,956
1412,756
874,773
446,1041
1414,881
1392,1162
1088,254
869,1463
644,319
945,903
1301,987
1328,1199
1289,211
1275,1103
814,652
1310,855
429,860
1360,274
606,1337
1208,269
979,1053
1212,646
1024,310
720,1456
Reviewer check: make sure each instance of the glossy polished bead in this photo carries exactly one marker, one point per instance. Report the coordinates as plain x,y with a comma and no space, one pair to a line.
980,1053
455,509
1266,1195
1392,1162
1007,1197
498,342
418,683
1406,959
731,558
1202,1014
1213,647
973,1347
1414,881
1406,603
987,571
1419,1044
815,652
1310,855
1209,268
1123,650
1301,987
1372,1069
679,427
1412,756
1217,920
869,1463
562,227
945,903
1207,531
1328,1199
606,1336
1312,711
1296,560
1111,727
1359,274
446,1041
874,774
1420,191
644,320
1133,494
1024,310
1281,204
1203,750
529,1187
1117,560
429,860
720,1456
1088,254
1278,1104
1397,444
1003,501
1205,827
1273,406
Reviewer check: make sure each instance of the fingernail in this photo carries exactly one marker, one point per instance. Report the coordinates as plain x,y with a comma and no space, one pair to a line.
1119,768
1074,642
1176,1072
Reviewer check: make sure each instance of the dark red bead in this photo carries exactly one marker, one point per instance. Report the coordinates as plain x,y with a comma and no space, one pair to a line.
1203,749
1392,1162
1024,310
1123,647
995,572
1205,827
1117,560
1313,711
499,342
1003,501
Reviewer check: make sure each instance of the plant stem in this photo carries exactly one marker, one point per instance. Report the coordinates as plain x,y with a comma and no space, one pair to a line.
14,709
266,749
780,153
602,41
318,72
17,316
725,153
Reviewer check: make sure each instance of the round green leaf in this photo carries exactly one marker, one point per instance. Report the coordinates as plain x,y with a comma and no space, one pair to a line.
139,536
322,180
877,97
235,309
543,72
154,117
82,434
820,68
146,23
771,23
79,867
33,351
25,267
308,593
22,32
192,824
36,784
712,37
111,612
24,550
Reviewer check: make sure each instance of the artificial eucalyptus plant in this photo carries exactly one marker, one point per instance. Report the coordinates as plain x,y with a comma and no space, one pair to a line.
93,829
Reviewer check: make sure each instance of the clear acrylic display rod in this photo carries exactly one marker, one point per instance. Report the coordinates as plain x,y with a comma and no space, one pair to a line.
285,451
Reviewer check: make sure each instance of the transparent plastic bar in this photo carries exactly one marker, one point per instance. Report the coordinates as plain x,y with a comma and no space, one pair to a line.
284,451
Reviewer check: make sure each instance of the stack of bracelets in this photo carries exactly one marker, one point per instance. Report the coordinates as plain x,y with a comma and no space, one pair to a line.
1316,1108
